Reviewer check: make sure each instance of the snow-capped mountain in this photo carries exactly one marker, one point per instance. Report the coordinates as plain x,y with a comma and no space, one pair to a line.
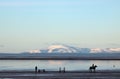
35,51
61,49
106,50
57,49
72,49
96,50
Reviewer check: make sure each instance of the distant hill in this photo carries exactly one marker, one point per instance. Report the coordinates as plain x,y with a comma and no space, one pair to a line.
65,52
61,56
72,49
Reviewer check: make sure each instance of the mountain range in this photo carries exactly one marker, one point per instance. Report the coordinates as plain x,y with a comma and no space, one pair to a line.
65,52
72,49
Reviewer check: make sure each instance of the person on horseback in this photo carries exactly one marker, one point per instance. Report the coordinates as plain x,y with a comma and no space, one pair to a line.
92,68
93,65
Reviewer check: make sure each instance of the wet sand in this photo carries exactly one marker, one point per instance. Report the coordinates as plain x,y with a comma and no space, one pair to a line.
106,74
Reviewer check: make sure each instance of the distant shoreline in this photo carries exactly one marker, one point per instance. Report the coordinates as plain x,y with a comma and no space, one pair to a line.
64,56
58,58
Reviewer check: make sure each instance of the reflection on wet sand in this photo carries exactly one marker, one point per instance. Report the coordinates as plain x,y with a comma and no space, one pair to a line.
52,62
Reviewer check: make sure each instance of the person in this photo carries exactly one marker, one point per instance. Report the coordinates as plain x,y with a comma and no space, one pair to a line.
39,71
92,68
36,69
59,69
43,70
93,65
64,69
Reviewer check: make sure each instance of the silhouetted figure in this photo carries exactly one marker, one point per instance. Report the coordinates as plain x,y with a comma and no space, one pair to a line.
64,69
93,65
44,70
36,69
39,71
59,69
92,68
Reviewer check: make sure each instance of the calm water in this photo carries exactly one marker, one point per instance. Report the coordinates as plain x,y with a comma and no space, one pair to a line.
55,64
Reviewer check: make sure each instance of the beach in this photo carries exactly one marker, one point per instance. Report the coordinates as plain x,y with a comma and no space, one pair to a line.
77,66
54,69
105,74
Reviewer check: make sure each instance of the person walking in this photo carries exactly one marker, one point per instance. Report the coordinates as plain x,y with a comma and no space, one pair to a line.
36,69
59,69
64,69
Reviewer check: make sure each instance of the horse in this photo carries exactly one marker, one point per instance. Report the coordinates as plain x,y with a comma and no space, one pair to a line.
92,68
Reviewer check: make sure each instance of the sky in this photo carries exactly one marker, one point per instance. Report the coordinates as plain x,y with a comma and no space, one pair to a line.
33,24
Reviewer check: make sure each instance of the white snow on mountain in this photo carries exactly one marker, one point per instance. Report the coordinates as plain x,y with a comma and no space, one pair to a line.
117,50
96,50
72,49
61,49
35,51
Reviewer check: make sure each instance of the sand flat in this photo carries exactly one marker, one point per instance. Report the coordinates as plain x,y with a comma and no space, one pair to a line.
56,75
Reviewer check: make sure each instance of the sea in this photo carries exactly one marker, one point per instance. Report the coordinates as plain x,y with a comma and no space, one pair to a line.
54,65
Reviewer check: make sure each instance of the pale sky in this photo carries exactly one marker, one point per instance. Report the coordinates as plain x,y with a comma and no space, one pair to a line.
33,24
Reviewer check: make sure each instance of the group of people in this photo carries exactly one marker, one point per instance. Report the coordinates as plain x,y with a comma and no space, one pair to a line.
38,70
91,68
43,70
60,70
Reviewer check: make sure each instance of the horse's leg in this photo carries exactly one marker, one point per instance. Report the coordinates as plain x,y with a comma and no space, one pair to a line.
94,70
90,69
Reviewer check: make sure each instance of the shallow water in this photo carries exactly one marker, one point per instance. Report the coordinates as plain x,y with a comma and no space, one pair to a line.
55,64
